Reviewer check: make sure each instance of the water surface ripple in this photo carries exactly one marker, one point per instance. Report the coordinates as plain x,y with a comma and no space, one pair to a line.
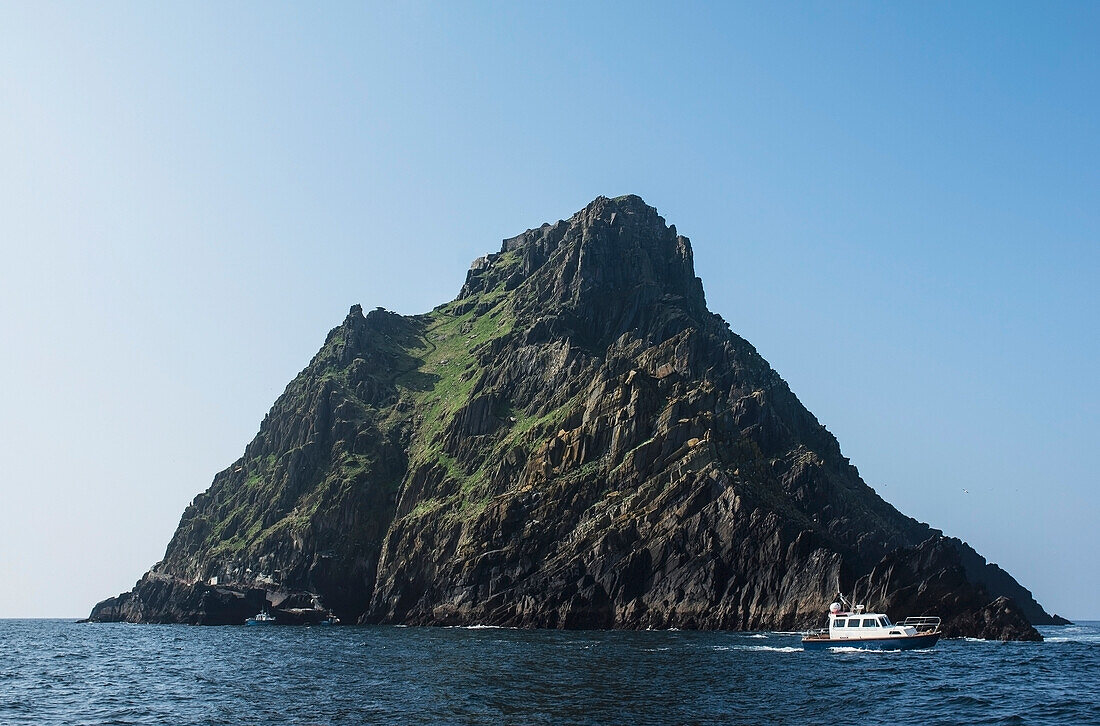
59,672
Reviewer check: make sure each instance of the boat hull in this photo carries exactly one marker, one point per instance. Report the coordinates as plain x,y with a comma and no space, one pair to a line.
910,642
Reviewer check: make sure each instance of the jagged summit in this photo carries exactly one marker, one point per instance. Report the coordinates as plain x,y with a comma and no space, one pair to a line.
574,441
615,265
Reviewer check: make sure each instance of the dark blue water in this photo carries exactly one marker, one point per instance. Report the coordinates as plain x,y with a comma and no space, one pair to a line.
58,672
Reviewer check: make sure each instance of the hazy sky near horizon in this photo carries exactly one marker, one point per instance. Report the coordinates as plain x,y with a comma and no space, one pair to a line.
898,205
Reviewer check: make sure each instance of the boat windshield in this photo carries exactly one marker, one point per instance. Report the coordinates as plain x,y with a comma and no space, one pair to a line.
884,621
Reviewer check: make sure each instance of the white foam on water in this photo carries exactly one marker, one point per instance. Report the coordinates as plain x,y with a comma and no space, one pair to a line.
1086,633
758,635
771,648
1091,639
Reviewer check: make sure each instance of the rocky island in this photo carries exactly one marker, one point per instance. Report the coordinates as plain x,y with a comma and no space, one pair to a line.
574,442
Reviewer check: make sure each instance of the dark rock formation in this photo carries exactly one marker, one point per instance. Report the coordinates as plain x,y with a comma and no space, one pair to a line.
933,579
164,599
575,441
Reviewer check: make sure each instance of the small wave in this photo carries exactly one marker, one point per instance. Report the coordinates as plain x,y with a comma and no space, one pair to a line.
968,699
758,635
1088,634
771,648
1084,640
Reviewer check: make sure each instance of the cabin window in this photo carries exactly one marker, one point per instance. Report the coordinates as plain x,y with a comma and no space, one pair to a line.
869,623
838,623
884,622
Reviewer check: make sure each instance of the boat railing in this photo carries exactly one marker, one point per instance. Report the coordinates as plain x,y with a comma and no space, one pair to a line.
922,623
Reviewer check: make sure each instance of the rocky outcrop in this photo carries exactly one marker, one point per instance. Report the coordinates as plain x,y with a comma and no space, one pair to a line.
933,579
575,441
165,599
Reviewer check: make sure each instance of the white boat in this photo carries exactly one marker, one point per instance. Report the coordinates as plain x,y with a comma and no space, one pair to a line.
261,618
854,628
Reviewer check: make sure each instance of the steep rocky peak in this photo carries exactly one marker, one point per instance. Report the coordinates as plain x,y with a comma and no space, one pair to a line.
617,255
379,329
630,211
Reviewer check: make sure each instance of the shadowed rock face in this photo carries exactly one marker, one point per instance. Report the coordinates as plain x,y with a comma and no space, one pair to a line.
575,441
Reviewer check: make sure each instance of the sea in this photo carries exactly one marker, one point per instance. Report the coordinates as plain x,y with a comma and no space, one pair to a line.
61,672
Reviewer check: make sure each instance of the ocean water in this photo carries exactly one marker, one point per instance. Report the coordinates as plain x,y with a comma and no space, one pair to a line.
60,672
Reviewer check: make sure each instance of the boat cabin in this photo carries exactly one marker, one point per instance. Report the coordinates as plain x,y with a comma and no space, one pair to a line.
859,625
845,626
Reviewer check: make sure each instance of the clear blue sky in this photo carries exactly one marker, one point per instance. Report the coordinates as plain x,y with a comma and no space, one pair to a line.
897,204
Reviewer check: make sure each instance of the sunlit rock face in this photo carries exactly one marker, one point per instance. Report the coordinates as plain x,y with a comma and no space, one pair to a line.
573,442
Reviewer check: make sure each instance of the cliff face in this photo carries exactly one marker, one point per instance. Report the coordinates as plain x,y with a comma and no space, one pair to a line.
575,441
